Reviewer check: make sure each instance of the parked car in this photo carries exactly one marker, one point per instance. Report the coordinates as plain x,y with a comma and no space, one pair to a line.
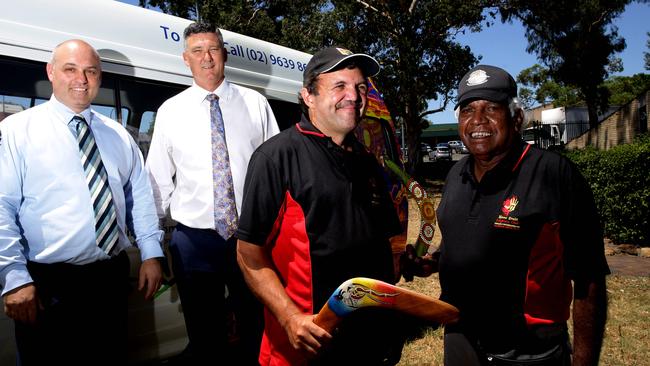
462,149
454,145
442,152
426,152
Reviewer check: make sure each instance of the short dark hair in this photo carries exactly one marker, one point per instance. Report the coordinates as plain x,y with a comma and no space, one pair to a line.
199,27
311,84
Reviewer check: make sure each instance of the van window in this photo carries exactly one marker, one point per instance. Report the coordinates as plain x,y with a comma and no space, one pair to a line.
142,99
126,99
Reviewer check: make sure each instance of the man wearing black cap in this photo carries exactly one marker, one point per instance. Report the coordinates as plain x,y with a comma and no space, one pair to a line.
519,230
316,213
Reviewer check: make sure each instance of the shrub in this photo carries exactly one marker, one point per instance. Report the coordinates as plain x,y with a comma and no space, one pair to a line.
620,180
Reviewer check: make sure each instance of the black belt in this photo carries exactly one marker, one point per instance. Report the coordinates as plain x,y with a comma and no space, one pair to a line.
69,268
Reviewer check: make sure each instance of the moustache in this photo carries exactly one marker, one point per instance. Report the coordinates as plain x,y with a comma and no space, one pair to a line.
347,103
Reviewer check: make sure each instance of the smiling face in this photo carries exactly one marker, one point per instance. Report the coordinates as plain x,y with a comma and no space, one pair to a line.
488,130
339,101
75,73
205,56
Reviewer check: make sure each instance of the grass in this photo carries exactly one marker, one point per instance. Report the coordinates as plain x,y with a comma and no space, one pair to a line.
627,335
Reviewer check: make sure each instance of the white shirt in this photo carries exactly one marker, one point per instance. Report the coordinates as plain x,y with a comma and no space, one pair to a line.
46,212
180,155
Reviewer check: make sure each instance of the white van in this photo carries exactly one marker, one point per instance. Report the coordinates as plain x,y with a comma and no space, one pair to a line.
140,51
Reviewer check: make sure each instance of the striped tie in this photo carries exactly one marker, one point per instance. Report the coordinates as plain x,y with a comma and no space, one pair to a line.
225,210
97,179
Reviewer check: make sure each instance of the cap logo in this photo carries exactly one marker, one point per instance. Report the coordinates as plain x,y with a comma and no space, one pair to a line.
343,51
477,77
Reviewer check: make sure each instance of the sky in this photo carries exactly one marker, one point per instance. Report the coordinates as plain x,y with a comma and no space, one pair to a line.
504,45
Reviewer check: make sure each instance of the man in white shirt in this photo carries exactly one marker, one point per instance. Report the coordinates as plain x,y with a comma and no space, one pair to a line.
72,182
194,171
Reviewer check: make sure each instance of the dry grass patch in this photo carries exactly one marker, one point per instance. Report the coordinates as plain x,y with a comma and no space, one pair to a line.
627,335
424,348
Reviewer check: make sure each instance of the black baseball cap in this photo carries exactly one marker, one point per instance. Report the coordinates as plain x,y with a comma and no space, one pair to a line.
333,58
486,82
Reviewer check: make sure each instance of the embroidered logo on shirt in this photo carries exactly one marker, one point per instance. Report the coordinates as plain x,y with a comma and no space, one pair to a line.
505,220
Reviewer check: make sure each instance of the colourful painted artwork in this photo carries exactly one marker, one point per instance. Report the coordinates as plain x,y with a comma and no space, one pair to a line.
377,133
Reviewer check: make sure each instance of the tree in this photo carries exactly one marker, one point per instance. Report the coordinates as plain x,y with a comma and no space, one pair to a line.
413,40
272,21
623,89
538,86
574,39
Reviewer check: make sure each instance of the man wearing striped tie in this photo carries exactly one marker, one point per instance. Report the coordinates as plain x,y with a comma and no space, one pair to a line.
72,181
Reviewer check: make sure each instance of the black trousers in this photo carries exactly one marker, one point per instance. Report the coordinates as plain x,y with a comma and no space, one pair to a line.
543,345
203,265
84,320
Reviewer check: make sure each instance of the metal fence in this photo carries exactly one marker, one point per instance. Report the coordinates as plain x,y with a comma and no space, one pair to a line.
552,135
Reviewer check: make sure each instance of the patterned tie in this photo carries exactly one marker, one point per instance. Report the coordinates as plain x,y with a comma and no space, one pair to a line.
225,210
100,192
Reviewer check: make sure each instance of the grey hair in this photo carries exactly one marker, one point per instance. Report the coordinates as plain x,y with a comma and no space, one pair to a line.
196,28
514,105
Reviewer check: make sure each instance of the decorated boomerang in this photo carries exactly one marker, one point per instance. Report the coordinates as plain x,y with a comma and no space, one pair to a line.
360,292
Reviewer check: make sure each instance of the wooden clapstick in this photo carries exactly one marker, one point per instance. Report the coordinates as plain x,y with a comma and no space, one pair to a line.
360,292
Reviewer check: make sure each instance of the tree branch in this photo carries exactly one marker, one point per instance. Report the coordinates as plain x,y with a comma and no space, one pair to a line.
412,6
437,110
252,16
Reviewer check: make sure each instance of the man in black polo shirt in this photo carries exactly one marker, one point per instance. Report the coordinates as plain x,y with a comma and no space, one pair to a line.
316,212
518,225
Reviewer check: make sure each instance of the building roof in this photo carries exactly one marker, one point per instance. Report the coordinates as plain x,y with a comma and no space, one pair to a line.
440,130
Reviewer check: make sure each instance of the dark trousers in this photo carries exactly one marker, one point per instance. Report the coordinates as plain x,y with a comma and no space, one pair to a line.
544,345
84,316
204,264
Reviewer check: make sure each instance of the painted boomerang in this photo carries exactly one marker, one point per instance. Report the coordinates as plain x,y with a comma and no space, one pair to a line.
360,292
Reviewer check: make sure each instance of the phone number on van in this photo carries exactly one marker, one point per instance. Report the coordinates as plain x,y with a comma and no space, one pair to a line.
261,56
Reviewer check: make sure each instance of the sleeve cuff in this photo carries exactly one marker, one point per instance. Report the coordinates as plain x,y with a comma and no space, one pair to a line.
14,276
150,249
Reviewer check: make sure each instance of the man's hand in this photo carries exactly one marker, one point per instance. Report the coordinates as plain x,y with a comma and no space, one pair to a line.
22,304
304,334
150,277
413,265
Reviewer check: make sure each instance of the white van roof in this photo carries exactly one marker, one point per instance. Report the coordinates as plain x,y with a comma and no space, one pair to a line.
143,43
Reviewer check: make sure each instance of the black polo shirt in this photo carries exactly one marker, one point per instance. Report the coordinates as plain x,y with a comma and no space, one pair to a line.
513,242
323,211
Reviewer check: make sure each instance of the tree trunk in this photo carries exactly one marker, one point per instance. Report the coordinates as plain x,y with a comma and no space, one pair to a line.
593,114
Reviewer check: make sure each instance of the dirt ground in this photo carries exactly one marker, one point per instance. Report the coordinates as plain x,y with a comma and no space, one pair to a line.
629,265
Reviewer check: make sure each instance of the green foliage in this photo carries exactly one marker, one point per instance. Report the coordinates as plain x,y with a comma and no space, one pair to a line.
282,22
621,184
539,86
623,89
574,39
